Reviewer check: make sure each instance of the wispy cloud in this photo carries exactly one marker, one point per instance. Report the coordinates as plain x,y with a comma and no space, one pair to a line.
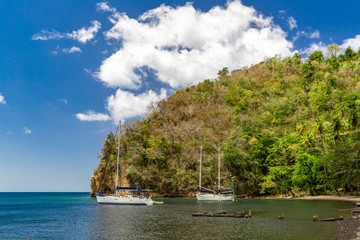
48,35
63,100
27,130
92,116
103,6
2,99
72,50
315,34
82,35
311,35
8,133
292,23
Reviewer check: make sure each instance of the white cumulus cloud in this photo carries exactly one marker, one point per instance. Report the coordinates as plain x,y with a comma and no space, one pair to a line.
92,116
82,35
124,105
72,50
354,43
314,47
2,99
185,46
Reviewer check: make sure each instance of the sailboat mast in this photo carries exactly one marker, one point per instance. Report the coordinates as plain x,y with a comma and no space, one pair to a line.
219,171
200,168
117,165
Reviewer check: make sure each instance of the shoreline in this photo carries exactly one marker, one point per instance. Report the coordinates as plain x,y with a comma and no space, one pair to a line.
331,197
349,198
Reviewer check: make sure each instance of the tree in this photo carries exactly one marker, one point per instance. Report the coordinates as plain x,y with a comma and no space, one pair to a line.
332,50
307,70
336,127
223,72
304,175
307,139
316,56
279,178
349,53
319,126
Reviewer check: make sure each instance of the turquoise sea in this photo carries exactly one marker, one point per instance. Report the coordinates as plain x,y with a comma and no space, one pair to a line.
76,216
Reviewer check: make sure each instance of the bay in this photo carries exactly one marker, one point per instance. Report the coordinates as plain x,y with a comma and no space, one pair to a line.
76,216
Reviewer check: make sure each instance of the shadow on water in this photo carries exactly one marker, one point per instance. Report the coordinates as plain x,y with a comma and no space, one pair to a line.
75,216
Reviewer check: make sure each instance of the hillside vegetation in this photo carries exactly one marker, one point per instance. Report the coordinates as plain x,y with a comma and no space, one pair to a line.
284,126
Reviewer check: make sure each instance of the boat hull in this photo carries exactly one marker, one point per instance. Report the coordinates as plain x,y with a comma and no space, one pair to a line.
228,197
215,197
206,197
124,200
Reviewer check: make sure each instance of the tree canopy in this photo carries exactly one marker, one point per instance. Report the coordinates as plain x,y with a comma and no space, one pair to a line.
284,127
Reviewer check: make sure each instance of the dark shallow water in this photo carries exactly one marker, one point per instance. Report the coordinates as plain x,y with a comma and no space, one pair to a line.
76,216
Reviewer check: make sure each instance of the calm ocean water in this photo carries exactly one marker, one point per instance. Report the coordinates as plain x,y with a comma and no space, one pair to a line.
76,216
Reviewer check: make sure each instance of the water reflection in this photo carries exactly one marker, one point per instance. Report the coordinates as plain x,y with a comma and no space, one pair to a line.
173,220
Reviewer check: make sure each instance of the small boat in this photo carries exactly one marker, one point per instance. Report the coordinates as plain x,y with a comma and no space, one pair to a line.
205,194
127,195
134,197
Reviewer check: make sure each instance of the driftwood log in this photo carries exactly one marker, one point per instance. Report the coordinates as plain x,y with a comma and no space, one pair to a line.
316,218
355,212
223,213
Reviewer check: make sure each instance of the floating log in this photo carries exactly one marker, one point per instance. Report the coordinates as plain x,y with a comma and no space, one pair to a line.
316,218
220,214
355,211
200,214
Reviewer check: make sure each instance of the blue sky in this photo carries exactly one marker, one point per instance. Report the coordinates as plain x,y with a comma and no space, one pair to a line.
70,69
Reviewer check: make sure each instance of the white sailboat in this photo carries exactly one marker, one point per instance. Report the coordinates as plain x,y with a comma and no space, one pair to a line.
129,195
204,194
224,194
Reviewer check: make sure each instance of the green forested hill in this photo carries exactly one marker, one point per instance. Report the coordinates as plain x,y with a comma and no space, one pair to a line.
284,126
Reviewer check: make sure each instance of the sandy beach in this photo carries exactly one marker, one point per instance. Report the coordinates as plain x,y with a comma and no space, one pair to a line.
331,197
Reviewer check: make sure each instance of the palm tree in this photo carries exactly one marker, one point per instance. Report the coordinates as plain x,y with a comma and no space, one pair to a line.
336,127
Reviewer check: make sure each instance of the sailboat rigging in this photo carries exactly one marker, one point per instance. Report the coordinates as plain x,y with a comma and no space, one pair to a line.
134,195
206,194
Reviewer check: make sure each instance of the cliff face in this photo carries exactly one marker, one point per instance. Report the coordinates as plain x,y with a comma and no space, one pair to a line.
108,184
109,154
282,125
